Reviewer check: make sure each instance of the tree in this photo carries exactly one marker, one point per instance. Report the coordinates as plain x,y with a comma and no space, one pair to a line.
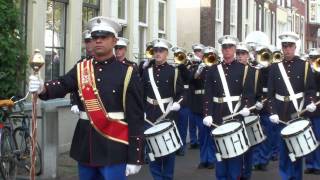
13,57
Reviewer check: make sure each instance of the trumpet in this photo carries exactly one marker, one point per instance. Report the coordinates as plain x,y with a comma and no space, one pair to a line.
180,58
264,57
277,56
210,59
315,64
149,52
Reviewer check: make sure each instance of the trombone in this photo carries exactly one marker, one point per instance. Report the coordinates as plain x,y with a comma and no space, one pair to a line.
263,58
277,56
149,52
315,64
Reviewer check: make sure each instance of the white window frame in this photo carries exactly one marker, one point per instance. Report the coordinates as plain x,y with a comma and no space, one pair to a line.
123,21
220,21
233,24
163,32
147,17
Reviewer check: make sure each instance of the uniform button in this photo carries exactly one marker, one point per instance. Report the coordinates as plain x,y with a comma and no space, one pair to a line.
138,149
98,79
237,80
54,83
47,84
138,161
106,62
58,82
288,71
158,75
96,62
157,81
158,69
114,91
138,139
100,69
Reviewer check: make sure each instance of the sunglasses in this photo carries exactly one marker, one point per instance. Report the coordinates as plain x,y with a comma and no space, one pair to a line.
241,52
119,47
286,45
159,49
226,46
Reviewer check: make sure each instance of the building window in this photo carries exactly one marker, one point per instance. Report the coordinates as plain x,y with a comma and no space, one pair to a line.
142,43
233,18
297,24
162,18
55,38
90,9
143,12
122,11
22,9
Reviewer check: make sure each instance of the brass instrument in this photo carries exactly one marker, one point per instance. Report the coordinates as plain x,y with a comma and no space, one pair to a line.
210,59
149,52
180,57
264,57
315,64
277,57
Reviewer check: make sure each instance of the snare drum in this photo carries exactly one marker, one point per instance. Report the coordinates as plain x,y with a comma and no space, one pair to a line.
254,129
231,140
163,139
299,138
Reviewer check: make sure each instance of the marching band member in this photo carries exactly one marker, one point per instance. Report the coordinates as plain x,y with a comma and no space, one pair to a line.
185,114
121,51
149,60
313,159
228,86
207,155
242,52
291,81
162,85
108,139
195,108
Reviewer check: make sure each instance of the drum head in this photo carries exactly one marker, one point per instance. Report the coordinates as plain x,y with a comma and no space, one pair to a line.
250,119
294,127
158,128
226,128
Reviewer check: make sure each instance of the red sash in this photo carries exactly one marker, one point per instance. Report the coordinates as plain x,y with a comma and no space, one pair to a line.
112,129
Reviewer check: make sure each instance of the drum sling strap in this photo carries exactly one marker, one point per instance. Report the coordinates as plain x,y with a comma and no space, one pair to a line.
289,86
156,91
113,129
226,88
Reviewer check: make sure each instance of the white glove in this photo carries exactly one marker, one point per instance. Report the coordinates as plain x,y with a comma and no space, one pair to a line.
145,64
132,169
74,109
35,84
175,106
245,112
207,121
200,68
274,118
259,105
311,107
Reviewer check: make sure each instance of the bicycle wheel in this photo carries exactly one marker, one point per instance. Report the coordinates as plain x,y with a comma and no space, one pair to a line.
22,140
8,165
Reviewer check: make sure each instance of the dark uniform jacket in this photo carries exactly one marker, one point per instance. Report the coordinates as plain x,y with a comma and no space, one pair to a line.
164,76
295,70
261,87
88,146
186,76
197,90
234,73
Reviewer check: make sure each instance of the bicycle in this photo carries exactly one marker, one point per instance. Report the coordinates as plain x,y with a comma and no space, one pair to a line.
16,141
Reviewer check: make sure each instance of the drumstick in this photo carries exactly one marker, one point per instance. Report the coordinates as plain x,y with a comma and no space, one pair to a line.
237,113
297,114
283,122
151,123
167,112
215,125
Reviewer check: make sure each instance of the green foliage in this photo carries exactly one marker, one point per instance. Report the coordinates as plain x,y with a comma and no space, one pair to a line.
13,57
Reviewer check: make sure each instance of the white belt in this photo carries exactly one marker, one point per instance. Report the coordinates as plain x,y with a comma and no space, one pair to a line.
318,94
199,91
186,86
289,98
265,90
155,102
112,115
224,99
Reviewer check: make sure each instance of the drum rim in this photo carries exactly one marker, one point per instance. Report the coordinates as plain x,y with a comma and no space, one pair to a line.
159,132
252,122
228,133
298,132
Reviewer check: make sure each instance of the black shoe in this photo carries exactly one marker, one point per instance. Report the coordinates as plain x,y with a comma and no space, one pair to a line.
202,166
316,171
259,167
309,171
194,146
180,153
210,166
274,158
244,178
263,167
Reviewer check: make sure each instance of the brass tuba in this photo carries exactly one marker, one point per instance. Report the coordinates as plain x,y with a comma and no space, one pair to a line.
315,64
264,57
180,57
149,52
210,59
